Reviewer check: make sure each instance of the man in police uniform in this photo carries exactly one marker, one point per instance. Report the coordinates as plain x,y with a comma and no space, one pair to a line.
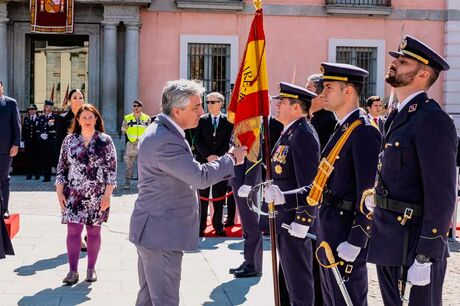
322,120
340,222
133,126
47,140
30,139
415,190
295,159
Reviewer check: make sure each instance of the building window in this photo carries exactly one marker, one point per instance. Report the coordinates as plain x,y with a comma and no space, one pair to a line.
363,57
368,54
212,59
210,63
359,2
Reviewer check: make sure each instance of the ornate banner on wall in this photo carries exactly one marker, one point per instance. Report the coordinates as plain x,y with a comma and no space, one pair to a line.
51,16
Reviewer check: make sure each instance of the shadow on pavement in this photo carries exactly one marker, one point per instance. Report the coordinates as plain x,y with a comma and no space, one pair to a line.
233,291
454,245
44,264
64,295
210,243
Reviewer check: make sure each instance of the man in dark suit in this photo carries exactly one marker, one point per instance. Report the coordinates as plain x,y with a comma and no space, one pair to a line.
212,140
416,188
10,134
374,109
30,139
340,222
322,120
47,140
295,159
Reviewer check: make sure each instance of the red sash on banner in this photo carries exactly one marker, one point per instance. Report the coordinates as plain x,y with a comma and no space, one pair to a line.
51,16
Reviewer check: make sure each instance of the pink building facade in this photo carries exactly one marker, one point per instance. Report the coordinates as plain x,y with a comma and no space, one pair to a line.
205,40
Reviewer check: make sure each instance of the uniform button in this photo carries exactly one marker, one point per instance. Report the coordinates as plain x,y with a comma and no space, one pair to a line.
341,213
309,219
298,217
303,219
368,227
399,218
337,157
397,144
434,231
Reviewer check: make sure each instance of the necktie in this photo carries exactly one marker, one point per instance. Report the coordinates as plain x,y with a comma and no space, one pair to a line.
214,124
376,121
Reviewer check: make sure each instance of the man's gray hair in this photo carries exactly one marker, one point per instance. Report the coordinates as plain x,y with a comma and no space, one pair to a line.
317,80
177,93
216,94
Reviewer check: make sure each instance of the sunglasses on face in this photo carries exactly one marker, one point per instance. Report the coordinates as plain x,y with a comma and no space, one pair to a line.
136,105
212,101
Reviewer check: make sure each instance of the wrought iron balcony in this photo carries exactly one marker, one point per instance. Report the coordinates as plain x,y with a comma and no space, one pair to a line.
232,5
358,7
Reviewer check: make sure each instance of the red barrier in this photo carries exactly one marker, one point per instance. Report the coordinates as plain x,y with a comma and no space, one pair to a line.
12,225
217,199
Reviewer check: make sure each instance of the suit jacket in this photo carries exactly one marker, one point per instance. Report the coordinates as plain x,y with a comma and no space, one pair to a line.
295,159
354,172
10,133
381,123
165,215
417,165
206,142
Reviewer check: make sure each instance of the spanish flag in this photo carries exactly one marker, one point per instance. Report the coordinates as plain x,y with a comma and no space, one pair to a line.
250,95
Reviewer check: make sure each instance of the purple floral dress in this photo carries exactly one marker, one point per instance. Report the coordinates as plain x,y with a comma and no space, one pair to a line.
84,172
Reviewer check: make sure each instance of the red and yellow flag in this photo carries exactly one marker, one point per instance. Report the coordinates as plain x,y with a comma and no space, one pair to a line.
250,95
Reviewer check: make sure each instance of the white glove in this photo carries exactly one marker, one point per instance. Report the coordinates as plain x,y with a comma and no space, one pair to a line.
369,202
274,194
44,136
347,251
298,230
419,274
244,190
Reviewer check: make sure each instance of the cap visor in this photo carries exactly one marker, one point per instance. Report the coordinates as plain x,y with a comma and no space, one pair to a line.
277,97
395,54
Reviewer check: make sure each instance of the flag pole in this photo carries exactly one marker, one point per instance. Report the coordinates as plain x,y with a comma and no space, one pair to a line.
268,178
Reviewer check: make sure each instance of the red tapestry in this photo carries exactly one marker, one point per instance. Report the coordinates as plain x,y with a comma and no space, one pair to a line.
51,16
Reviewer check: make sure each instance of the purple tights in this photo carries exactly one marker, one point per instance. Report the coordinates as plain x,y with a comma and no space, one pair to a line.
74,244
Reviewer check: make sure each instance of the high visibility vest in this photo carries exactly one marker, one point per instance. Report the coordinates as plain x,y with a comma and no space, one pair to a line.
136,127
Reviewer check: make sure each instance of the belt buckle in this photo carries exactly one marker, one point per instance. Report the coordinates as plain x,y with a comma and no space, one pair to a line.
407,215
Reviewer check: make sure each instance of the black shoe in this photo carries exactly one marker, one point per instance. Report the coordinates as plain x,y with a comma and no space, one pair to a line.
37,177
201,234
229,224
233,270
221,233
46,180
29,177
246,272
6,215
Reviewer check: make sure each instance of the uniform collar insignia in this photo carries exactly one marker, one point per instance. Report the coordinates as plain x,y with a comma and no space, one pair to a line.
412,108
345,127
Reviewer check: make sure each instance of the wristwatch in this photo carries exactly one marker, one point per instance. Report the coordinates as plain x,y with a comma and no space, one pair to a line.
422,259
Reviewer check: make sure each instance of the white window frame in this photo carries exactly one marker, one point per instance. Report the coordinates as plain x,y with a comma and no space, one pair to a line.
232,40
375,43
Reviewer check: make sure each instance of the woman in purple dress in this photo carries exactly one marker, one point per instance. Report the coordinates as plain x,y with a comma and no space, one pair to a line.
86,176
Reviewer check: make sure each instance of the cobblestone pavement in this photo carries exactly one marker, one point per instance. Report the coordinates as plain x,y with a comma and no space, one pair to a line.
33,276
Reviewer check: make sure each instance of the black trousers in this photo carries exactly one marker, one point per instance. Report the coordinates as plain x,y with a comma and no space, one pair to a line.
5,164
32,160
218,190
231,207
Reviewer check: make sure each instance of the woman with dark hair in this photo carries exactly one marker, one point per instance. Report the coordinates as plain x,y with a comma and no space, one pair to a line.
76,99
85,179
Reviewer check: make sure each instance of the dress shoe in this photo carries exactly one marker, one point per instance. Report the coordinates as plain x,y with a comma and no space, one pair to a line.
37,177
246,272
233,270
221,233
29,177
229,224
83,246
71,278
126,187
6,215
46,180
201,234
91,275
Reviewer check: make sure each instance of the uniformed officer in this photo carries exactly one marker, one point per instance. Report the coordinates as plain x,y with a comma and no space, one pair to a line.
295,159
46,132
133,126
340,222
415,190
30,139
